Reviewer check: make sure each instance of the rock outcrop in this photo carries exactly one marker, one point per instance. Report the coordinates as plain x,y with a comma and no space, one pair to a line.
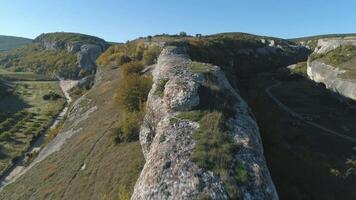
87,48
168,142
327,45
330,75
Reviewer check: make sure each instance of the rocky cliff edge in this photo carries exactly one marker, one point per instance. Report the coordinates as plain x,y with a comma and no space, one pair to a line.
168,140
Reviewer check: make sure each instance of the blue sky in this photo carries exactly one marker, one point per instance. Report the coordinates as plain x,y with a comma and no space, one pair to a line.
123,20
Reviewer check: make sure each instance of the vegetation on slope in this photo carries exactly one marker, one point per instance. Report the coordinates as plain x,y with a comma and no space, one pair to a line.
343,57
34,58
65,37
215,150
60,62
300,68
10,42
133,90
24,115
312,41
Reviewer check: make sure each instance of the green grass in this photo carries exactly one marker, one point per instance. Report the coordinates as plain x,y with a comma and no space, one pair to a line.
33,58
300,68
194,115
343,57
23,76
69,37
340,55
24,115
160,87
11,42
198,67
215,149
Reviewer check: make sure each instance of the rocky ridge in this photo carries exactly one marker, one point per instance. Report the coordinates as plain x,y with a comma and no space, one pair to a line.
168,142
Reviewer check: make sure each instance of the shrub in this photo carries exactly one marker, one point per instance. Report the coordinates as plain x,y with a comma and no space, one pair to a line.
150,55
132,94
52,133
131,68
51,96
130,127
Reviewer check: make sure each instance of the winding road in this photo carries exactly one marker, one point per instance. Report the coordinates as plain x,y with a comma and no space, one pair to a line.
300,117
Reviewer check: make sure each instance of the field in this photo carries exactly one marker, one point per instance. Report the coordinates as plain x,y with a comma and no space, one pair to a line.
24,113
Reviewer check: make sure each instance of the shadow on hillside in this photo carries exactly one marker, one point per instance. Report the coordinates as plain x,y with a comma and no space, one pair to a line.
302,158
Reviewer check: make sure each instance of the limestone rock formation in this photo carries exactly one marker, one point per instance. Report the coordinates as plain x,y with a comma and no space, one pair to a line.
329,75
326,45
168,142
87,48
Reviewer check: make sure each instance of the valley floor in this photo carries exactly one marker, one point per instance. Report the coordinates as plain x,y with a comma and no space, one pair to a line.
296,118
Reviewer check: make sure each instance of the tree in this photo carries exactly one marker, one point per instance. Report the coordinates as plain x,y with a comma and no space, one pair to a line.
183,34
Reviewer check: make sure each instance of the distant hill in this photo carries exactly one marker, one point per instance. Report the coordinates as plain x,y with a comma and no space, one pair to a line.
312,41
11,42
68,55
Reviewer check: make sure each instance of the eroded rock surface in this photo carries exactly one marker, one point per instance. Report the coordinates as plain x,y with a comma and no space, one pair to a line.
167,142
329,76
87,52
327,45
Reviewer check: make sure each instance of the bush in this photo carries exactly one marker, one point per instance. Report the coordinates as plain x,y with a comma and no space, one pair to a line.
151,54
132,94
52,133
51,96
130,127
131,68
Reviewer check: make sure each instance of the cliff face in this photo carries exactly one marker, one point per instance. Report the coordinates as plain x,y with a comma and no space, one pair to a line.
332,75
168,140
87,48
327,45
328,75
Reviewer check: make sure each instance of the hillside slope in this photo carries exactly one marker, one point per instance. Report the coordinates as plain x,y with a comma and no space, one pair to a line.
11,42
68,55
83,162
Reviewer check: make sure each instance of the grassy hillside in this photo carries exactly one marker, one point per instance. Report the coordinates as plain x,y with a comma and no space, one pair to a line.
34,58
24,114
60,62
64,37
90,164
11,42
343,57
109,169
